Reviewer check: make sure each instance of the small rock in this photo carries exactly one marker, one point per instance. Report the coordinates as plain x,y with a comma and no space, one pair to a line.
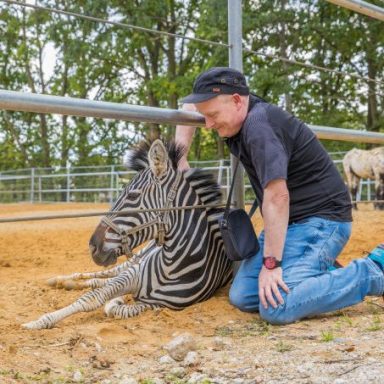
340,381
340,340
218,343
180,346
191,359
178,372
98,347
166,359
128,380
196,378
157,381
77,376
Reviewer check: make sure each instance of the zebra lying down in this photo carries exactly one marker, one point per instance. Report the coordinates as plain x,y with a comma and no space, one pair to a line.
184,261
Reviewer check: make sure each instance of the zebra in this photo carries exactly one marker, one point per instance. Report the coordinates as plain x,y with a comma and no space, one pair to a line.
184,261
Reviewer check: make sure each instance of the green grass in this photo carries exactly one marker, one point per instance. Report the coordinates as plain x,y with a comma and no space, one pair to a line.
283,347
172,379
327,336
255,327
376,325
224,331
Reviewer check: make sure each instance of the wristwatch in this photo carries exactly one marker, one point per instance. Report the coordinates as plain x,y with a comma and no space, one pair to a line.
270,262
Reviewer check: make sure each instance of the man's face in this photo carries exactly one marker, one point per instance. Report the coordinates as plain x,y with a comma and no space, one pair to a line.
223,113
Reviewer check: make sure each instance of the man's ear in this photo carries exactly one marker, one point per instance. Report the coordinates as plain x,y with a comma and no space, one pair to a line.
237,99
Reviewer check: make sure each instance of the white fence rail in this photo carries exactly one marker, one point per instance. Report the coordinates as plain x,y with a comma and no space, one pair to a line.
104,183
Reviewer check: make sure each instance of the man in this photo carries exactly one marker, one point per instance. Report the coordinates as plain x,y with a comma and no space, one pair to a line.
304,202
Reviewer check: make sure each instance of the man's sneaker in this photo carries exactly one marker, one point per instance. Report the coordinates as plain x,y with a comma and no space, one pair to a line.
377,255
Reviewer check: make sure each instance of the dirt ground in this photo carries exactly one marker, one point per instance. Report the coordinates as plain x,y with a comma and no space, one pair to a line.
231,346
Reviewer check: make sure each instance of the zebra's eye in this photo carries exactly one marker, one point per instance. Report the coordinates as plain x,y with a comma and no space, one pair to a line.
134,194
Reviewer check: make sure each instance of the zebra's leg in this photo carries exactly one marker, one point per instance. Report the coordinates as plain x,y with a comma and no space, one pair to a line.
93,279
126,282
98,279
118,309
88,279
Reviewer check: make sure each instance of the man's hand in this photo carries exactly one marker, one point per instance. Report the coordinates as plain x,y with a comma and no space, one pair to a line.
269,282
183,164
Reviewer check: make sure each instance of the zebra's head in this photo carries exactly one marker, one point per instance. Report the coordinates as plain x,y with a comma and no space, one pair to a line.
157,185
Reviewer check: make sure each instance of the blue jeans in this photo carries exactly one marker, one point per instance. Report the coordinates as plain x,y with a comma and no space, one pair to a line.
311,247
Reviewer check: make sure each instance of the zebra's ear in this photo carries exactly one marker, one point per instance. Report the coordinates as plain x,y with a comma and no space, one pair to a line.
158,158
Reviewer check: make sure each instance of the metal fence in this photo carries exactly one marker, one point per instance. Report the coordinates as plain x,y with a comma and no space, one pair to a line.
80,184
104,183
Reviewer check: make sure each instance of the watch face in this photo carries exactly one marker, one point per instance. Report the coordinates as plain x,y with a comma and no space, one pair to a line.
270,262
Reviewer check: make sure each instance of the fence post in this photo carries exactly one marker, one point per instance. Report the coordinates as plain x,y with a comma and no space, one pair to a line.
40,195
111,193
68,184
32,184
220,173
235,26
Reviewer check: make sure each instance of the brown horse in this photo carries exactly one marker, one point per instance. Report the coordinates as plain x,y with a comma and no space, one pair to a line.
360,164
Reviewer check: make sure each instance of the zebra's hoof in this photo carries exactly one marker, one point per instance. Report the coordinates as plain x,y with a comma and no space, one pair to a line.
52,282
111,305
38,324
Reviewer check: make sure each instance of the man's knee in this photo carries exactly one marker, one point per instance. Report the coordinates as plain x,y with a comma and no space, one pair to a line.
242,301
277,316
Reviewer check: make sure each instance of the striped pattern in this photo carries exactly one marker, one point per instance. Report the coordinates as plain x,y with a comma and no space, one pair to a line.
189,267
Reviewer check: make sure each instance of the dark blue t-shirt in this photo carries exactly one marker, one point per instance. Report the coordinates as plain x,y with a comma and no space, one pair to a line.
273,144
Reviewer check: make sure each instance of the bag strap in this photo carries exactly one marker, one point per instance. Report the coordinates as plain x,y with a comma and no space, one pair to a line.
253,208
228,205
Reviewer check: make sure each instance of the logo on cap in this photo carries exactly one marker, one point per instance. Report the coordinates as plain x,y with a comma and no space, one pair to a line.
216,90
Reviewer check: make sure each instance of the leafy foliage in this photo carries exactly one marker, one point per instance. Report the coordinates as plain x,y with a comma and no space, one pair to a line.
44,52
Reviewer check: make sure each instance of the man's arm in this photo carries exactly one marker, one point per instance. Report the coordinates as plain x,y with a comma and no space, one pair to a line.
184,136
275,215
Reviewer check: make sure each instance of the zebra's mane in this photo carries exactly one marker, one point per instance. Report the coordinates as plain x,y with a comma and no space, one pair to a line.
204,185
201,181
137,158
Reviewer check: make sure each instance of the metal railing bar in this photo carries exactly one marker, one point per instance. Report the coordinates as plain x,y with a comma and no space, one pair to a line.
31,102
103,213
362,7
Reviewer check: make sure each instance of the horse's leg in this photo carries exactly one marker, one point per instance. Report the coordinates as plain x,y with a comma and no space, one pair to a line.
351,180
126,282
118,309
355,182
379,190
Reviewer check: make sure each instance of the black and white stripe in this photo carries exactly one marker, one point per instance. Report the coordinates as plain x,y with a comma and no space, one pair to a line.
191,264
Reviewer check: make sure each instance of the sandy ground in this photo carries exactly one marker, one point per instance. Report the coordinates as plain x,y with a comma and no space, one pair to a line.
91,348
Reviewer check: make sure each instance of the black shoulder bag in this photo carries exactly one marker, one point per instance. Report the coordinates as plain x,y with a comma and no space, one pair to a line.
240,240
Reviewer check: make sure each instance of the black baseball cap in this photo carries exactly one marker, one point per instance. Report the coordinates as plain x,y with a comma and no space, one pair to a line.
217,81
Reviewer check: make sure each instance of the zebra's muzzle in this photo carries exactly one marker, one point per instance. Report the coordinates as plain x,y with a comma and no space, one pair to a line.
106,258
